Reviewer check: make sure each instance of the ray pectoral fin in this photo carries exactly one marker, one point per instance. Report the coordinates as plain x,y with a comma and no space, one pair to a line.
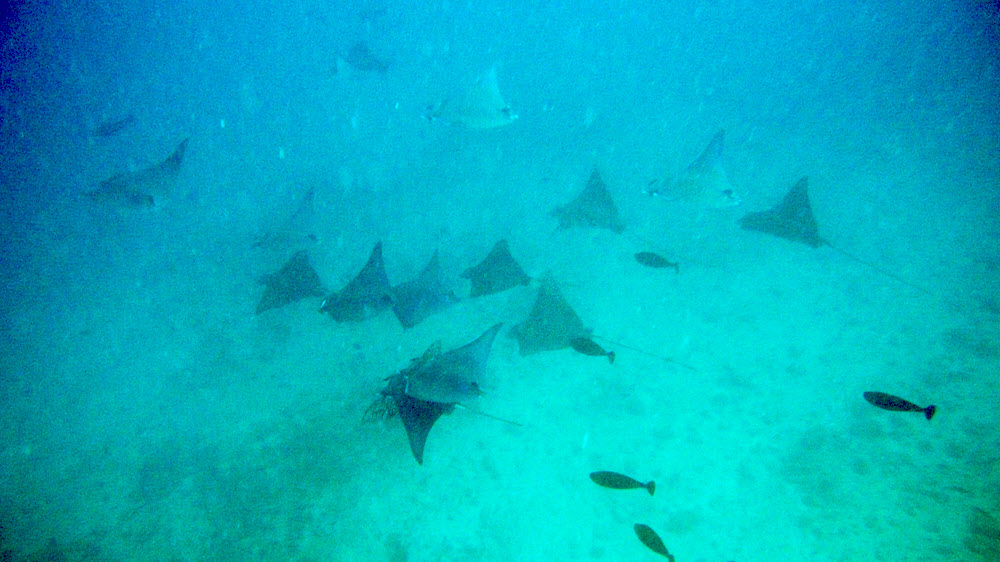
704,182
136,189
295,232
111,128
791,219
368,293
418,418
711,157
451,377
482,106
415,300
592,208
175,159
433,384
361,57
295,281
498,272
552,323
116,193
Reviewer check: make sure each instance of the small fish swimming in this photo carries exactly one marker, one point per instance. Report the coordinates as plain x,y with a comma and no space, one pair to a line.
648,537
656,261
618,481
897,404
589,347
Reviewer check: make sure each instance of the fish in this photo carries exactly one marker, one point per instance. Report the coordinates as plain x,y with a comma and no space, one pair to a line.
588,346
648,537
112,128
592,208
432,386
296,232
897,404
498,272
618,481
295,281
481,108
656,261
704,182
418,298
361,57
138,188
365,295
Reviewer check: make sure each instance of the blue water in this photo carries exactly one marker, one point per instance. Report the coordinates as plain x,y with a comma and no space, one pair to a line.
148,414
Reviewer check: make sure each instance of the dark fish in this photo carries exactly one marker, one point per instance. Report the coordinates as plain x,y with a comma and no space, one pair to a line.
136,189
588,346
652,541
620,481
656,261
897,404
111,128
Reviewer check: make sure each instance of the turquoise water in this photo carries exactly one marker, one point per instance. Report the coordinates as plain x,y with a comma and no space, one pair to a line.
148,414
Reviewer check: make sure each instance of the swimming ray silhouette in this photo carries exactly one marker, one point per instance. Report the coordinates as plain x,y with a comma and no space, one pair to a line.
552,323
361,57
592,208
481,107
418,298
792,219
112,127
497,272
296,231
367,294
704,182
138,188
431,386
295,281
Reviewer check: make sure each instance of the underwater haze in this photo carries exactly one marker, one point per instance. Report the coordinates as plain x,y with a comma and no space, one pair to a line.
153,408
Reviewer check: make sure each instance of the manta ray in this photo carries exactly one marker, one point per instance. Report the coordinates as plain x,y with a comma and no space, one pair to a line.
138,189
432,386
